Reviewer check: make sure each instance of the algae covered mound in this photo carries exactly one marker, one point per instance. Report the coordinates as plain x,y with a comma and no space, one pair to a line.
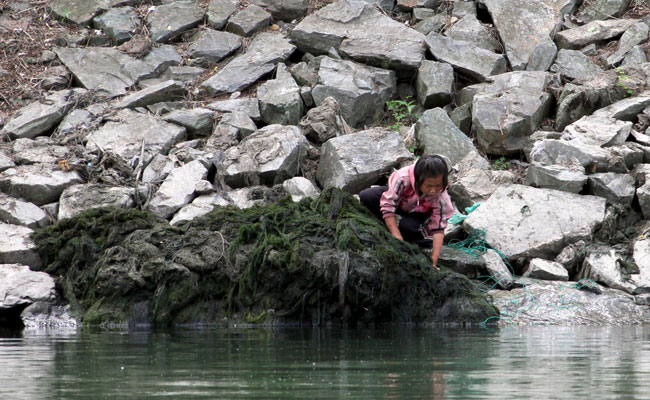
318,261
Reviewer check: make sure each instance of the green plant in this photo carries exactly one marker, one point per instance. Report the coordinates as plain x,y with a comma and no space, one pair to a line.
622,77
500,164
400,111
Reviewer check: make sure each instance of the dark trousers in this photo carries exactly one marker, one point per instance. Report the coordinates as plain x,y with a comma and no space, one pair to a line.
409,224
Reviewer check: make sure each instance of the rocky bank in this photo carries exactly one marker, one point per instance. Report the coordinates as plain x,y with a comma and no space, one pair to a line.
162,111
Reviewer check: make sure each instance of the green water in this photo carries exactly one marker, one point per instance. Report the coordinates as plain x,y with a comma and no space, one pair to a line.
395,363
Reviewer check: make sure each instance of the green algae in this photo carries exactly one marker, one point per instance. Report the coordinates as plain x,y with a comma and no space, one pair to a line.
321,261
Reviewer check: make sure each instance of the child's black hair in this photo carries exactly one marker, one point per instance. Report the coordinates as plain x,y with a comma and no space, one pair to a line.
430,166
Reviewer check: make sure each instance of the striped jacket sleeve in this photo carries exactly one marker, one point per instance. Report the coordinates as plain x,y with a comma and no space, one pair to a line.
391,198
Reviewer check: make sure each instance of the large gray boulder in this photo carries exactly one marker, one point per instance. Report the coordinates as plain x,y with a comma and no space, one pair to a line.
596,130
468,59
355,161
508,110
360,90
526,222
574,64
616,188
434,84
565,152
40,117
279,99
523,24
602,265
263,53
626,109
436,133
543,55
20,286
360,31
167,21
76,199
268,156
593,32
38,184
131,133
178,189
17,246
568,178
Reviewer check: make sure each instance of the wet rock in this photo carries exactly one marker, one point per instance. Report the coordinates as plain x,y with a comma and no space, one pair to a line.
285,10
527,222
601,9
355,161
43,150
219,11
360,90
178,189
435,84
469,29
81,13
472,61
573,64
249,20
601,265
249,106
76,199
46,315
20,286
436,133
40,117
264,52
568,178
498,270
18,212
168,90
634,35
593,32
461,262
299,188
268,156
39,184
118,23
523,24
547,270
616,188
279,99
324,122
543,56
125,136
360,31
507,111
168,21
210,47
17,247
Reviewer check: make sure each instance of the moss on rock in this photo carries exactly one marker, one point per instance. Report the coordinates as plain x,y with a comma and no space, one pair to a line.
318,261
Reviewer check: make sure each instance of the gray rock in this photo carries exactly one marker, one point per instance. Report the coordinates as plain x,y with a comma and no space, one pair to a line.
498,270
360,31
199,206
305,74
160,59
210,47
240,121
247,105
435,84
631,153
17,212
462,9
559,177
219,11
82,119
20,286
469,29
355,161
46,315
616,188
285,10
360,90
603,9
590,50
300,188
178,189
466,58
168,21
625,109
125,136
17,247
634,35
461,262
573,64
6,161
433,24
592,158
635,57
279,99
43,149
462,118
641,257
157,169
408,5
324,122
526,222
249,20
40,117
268,156
601,265
507,111
118,23
187,75
76,199
643,194
596,130
547,270
39,184
543,56
571,256
593,32
164,91
249,196
197,121
436,133
81,13
264,52
523,24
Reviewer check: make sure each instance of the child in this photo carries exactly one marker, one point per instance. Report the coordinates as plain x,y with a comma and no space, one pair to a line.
419,194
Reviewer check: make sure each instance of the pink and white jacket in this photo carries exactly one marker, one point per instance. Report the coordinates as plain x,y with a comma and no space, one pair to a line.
401,194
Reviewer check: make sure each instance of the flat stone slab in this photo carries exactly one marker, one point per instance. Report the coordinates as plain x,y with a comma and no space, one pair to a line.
210,47
38,183
360,31
17,247
593,32
170,20
118,23
163,91
178,189
82,12
76,199
521,221
19,286
18,212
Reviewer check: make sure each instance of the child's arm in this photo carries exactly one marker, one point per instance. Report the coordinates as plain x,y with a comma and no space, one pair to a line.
437,246
391,223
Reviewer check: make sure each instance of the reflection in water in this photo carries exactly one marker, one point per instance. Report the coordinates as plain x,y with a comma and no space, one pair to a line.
394,363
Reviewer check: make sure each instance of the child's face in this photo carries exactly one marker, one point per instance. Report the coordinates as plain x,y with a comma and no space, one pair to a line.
431,186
